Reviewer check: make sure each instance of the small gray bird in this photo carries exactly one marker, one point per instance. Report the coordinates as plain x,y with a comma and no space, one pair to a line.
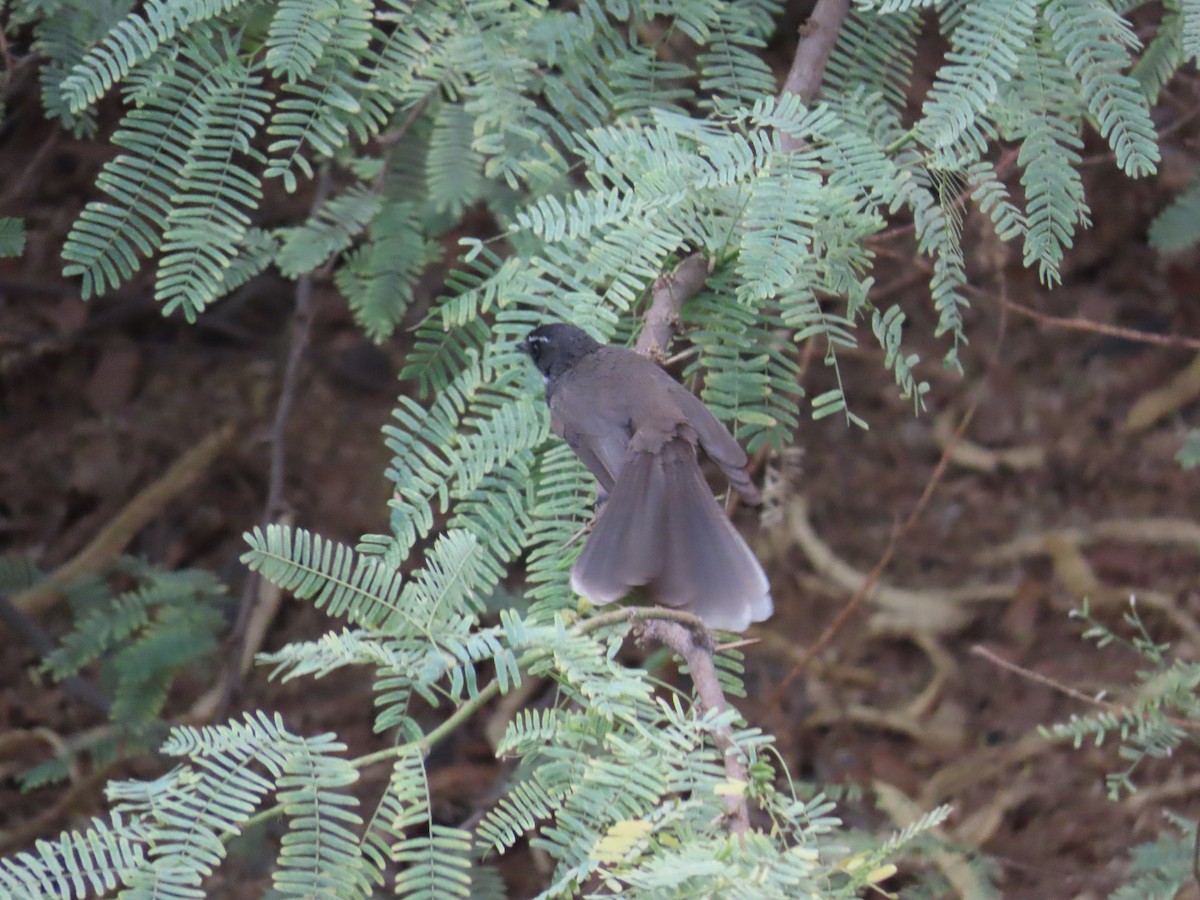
659,525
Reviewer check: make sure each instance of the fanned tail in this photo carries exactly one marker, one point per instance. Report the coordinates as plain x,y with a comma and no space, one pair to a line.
662,528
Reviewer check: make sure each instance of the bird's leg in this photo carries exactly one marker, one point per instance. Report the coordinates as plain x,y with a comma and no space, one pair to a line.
601,499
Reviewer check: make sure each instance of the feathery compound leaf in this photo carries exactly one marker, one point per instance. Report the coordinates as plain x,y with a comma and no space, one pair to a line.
1178,226
1091,38
255,251
468,433
732,70
776,226
1043,121
64,40
12,236
874,54
444,591
453,167
1190,12
333,650
328,232
938,222
320,854
888,330
992,197
144,637
206,84
189,809
209,216
986,45
97,856
437,858
750,377
135,39
318,118
1162,57
562,503
362,588
378,278
302,32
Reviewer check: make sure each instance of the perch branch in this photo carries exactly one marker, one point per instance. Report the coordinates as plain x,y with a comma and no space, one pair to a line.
682,632
695,647
668,295
817,37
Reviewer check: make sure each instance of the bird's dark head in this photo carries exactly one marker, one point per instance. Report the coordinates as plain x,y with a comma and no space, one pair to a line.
555,348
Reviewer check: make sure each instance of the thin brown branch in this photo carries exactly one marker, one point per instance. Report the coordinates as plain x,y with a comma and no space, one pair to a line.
301,327
1067,690
635,614
695,648
1078,324
830,631
274,506
817,37
666,298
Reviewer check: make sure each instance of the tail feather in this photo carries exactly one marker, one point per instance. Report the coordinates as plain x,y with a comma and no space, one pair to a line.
662,527
621,552
707,567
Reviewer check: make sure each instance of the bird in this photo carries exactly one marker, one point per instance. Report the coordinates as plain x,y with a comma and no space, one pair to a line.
658,525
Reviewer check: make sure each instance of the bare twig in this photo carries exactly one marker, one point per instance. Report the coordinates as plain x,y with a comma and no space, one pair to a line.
301,326
1067,690
812,53
1077,324
273,508
668,295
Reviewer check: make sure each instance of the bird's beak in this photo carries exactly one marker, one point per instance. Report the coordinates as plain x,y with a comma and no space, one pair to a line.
523,346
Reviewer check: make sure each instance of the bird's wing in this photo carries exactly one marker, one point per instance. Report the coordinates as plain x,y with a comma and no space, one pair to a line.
600,446
721,446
